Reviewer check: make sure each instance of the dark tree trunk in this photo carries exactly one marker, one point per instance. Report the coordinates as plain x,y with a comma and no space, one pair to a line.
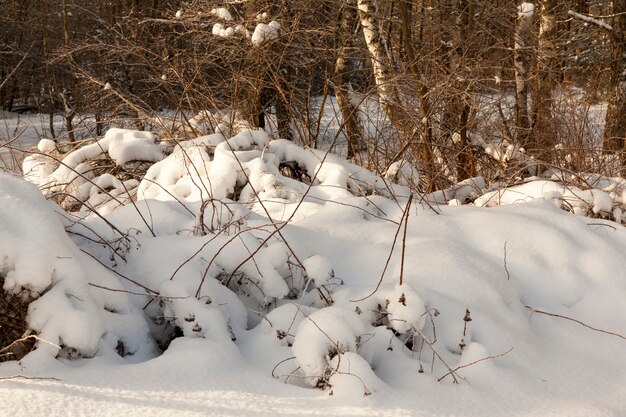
615,130
352,127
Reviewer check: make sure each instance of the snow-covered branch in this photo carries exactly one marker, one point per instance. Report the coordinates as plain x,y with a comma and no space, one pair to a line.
590,19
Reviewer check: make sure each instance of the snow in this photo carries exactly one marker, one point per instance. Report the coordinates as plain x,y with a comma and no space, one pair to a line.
406,310
589,19
265,32
580,201
236,288
322,336
46,145
218,28
525,10
222,13
403,172
73,174
222,31
125,146
41,263
318,269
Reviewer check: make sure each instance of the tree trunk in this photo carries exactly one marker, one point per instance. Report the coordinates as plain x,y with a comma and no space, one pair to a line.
44,41
458,107
381,64
352,126
543,131
388,91
522,62
67,96
615,125
283,115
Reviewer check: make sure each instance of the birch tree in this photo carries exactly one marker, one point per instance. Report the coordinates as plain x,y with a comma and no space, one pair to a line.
522,54
387,88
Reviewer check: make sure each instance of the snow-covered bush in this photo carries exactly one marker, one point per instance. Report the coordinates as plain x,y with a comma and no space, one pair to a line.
83,176
218,242
326,348
602,197
76,306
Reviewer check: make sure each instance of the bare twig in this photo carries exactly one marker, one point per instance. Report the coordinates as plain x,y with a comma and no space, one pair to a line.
474,363
602,224
405,214
506,269
430,344
590,19
278,364
135,293
32,378
26,338
19,64
120,274
534,310
406,223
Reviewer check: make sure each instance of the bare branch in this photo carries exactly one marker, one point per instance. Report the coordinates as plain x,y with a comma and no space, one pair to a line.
576,321
474,363
590,19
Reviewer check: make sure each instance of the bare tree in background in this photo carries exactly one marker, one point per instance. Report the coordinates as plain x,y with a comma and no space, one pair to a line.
453,77
523,26
546,72
342,86
388,91
615,129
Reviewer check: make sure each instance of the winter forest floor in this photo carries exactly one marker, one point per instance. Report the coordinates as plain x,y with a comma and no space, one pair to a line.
332,295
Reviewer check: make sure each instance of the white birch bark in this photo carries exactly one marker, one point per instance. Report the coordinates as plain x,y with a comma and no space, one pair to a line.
387,90
395,107
522,59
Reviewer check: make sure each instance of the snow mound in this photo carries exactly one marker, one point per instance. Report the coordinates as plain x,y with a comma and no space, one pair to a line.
46,145
322,336
286,255
404,173
608,203
76,180
319,269
222,13
77,307
265,32
406,309
267,176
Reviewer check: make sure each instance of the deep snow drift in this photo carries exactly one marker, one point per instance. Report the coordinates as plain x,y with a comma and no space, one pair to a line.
273,279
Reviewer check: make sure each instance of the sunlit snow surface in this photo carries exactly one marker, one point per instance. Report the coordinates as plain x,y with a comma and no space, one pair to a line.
499,263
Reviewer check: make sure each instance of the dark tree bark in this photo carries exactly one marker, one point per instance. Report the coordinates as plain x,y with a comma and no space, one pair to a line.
543,131
459,103
352,127
615,130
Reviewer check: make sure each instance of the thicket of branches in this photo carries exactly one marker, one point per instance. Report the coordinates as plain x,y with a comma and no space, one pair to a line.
467,87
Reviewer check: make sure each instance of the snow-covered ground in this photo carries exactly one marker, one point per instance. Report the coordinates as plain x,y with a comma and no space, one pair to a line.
284,295
23,131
